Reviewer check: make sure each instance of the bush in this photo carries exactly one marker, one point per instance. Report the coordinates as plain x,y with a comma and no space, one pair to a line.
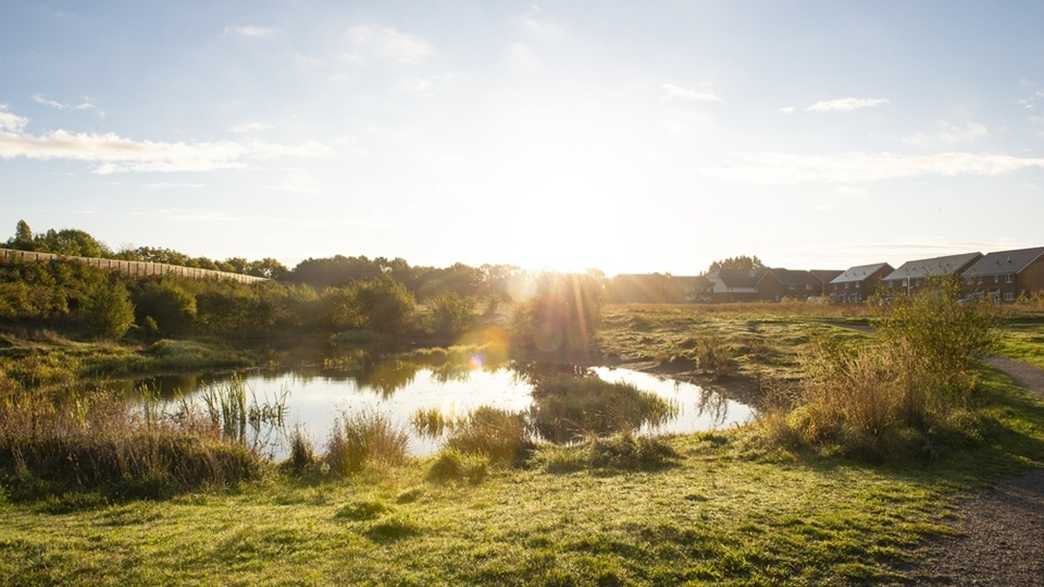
890,397
622,451
452,315
109,313
169,305
382,305
362,438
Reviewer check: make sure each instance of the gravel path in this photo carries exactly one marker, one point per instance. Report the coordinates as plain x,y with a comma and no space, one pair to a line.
1002,528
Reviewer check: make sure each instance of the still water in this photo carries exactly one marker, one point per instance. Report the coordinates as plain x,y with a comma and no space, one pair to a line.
315,397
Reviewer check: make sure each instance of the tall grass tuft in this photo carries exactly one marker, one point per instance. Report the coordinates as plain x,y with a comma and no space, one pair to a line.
362,438
429,422
715,356
496,434
104,443
897,394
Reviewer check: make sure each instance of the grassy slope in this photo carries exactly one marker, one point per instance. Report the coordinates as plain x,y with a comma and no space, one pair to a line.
726,513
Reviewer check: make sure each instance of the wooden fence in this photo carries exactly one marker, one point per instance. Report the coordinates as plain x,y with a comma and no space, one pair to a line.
133,268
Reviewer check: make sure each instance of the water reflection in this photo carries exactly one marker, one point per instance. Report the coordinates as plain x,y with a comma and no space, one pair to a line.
455,383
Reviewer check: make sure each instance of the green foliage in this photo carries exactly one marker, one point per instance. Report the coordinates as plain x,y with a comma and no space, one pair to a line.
169,304
452,315
896,395
383,305
109,312
302,453
23,238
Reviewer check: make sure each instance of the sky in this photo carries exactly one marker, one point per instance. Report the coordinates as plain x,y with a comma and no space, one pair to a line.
631,137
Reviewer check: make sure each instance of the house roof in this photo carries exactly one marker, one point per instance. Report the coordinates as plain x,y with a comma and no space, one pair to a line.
1003,262
933,267
733,281
825,275
795,277
860,272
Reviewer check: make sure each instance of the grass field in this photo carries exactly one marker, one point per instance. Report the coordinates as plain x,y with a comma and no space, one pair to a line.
728,511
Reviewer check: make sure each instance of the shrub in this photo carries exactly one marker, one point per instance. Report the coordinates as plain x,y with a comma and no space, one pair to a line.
172,307
361,438
566,408
891,396
109,312
452,315
382,305
626,451
362,509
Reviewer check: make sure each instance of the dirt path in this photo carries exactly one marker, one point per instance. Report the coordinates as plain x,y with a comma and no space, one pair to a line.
1002,529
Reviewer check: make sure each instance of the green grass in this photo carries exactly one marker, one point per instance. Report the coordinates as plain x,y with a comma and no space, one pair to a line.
763,344
54,360
724,512
1023,340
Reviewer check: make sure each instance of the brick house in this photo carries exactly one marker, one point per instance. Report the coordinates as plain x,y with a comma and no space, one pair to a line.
914,275
858,283
800,284
823,279
1006,275
729,285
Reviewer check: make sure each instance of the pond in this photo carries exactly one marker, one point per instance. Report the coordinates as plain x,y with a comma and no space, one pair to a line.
313,397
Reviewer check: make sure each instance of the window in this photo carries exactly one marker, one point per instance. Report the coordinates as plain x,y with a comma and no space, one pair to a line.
1009,296
996,279
1010,278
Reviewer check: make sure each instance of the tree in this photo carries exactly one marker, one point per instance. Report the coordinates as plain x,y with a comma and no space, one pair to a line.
109,312
23,238
740,263
382,305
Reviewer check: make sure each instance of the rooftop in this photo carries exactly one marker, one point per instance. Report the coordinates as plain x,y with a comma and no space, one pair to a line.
934,267
1003,262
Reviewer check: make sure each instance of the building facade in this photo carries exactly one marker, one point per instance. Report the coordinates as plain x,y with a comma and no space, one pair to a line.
1005,276
858,283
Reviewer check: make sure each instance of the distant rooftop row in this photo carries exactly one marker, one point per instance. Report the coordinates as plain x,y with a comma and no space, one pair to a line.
1002,276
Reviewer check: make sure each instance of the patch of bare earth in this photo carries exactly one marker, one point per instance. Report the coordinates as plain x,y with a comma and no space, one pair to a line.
1001,530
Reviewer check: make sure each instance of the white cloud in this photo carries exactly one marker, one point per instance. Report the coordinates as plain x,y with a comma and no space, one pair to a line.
386,43
845,104
249,30
10,120
787,109
522,56
114,154
85,104
679,93
174,186
248,127
848,168
949,134
298,181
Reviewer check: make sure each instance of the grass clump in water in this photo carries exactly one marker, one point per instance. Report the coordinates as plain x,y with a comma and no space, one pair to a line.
362,438
429,422
497,434
567,408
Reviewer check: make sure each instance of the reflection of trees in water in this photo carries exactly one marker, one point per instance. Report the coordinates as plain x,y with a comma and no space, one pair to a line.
713,404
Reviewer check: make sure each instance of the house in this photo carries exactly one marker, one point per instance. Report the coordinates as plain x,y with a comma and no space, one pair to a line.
733,285
1006,275
824,277
802,284
798,284
913,275
858,283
